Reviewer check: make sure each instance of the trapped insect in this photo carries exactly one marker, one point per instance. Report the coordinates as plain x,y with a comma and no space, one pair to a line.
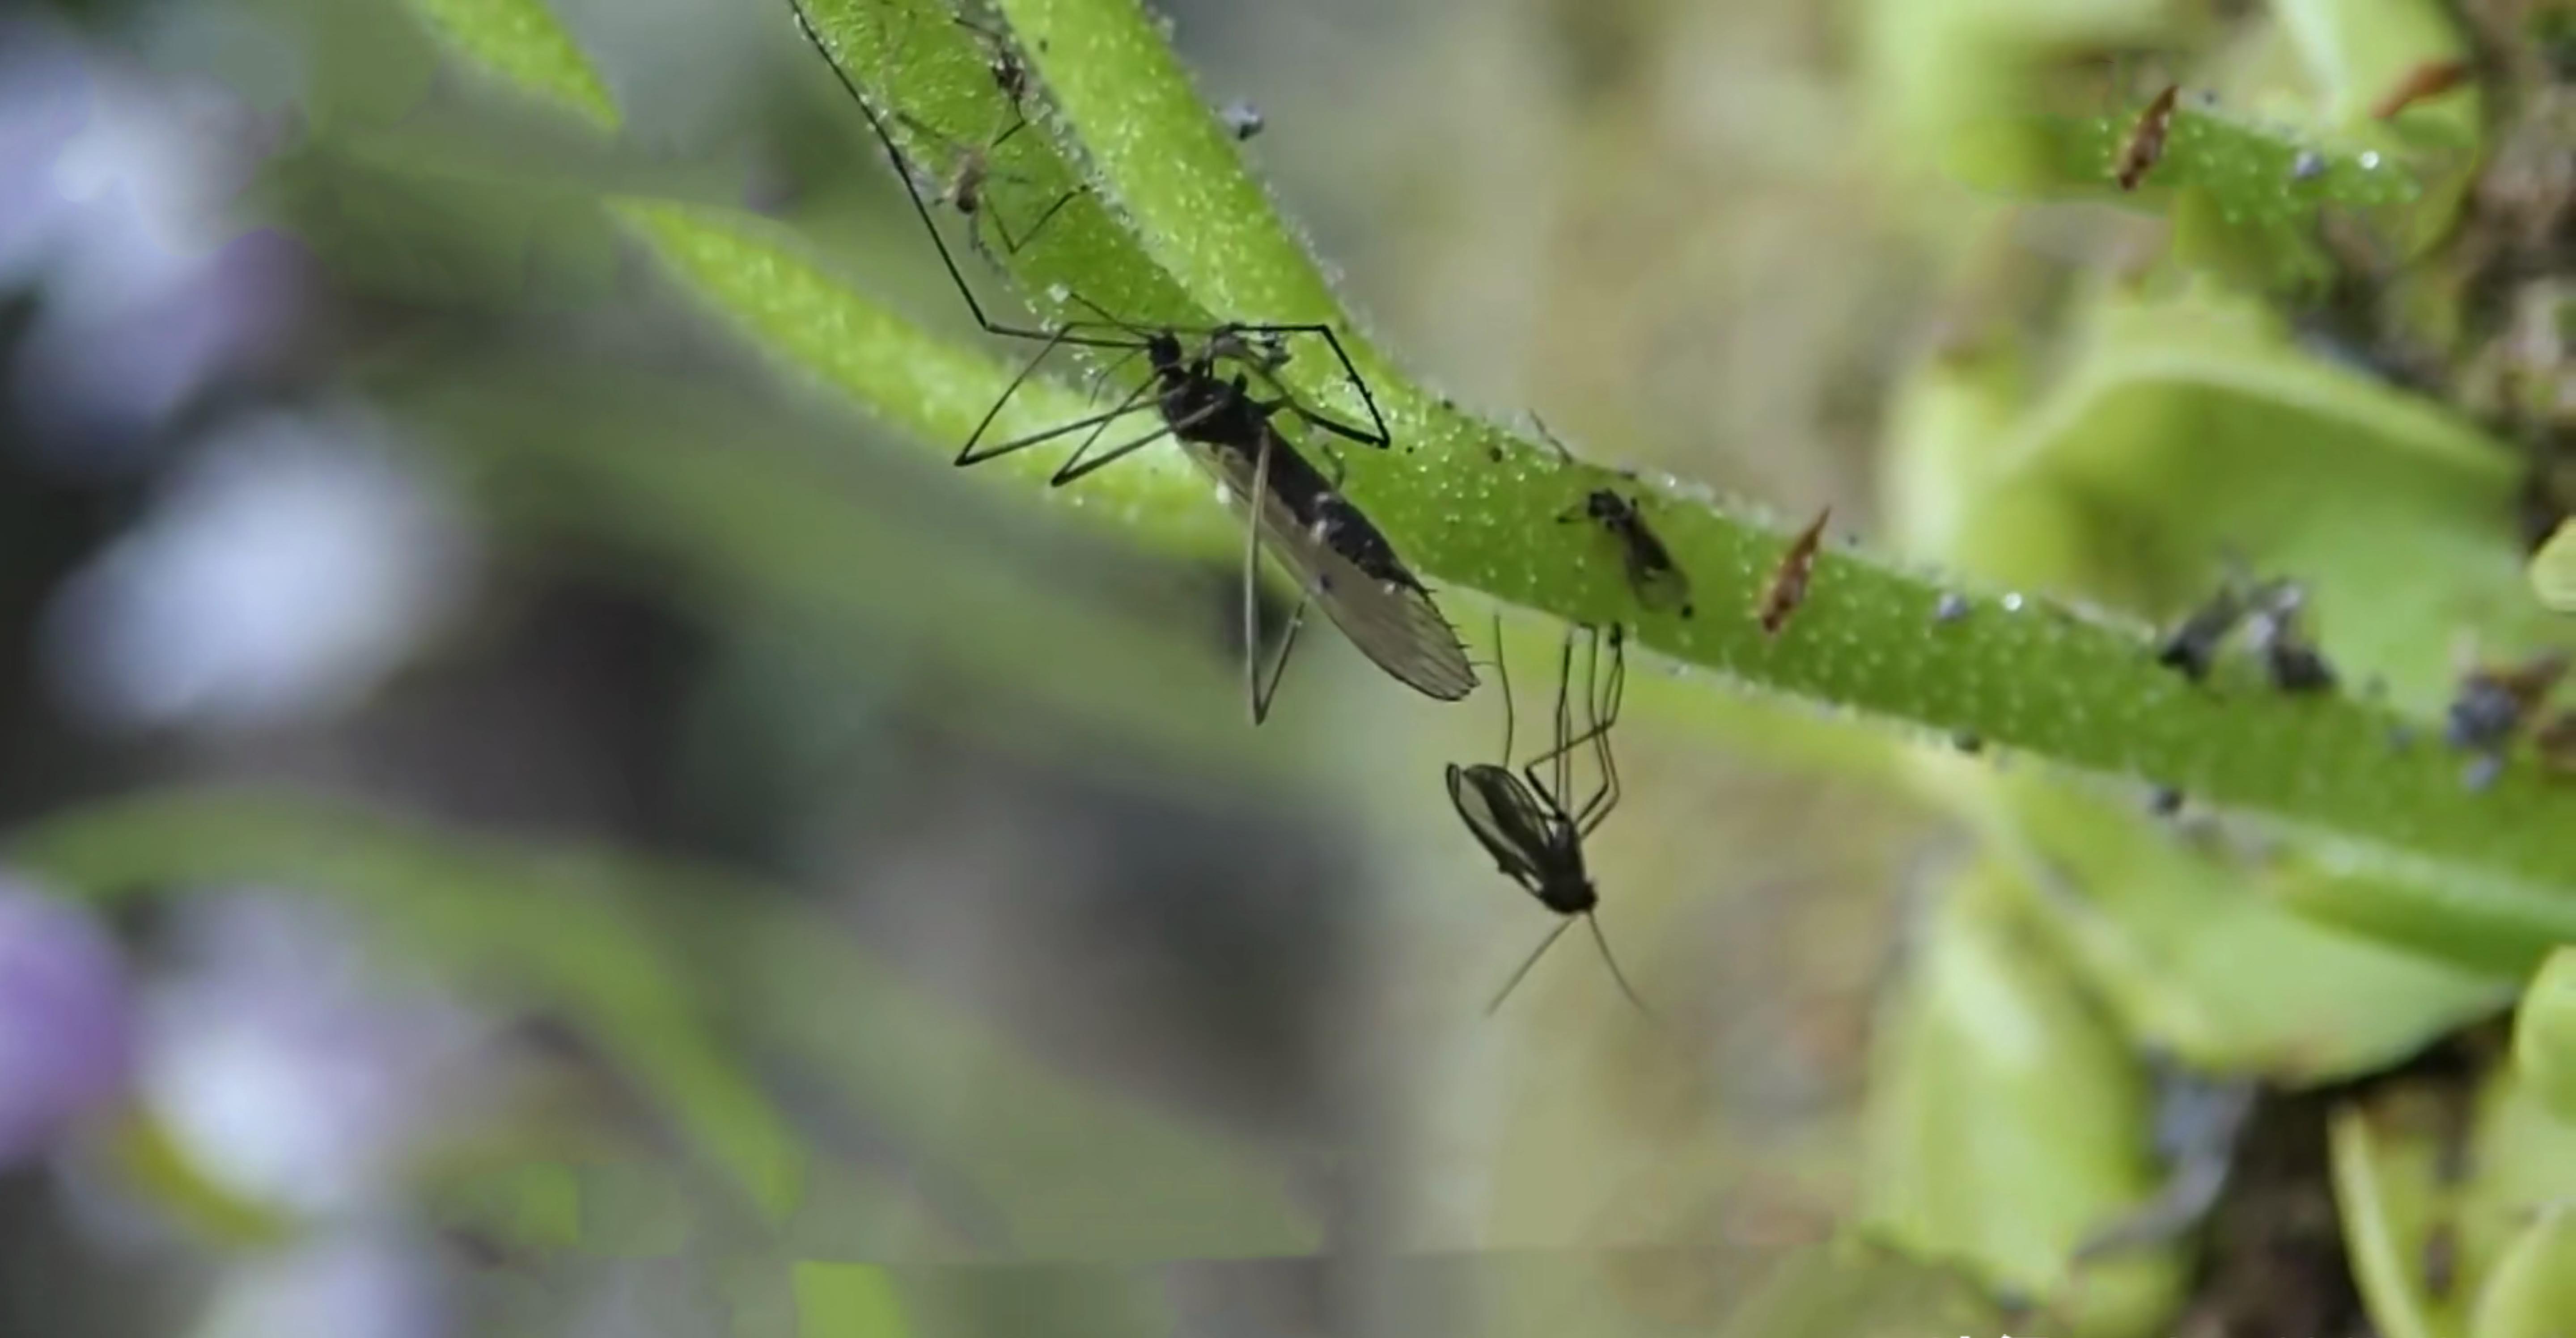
2491,703
2191,648
2293,663
2145,146
1338,557
1787,589
1522,819
1652,575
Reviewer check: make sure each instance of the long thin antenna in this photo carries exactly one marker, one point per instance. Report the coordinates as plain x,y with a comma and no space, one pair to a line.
1544,944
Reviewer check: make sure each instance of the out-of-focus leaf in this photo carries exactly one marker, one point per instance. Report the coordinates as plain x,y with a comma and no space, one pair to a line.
2007,1120
522,42
2553,570
2437,1181
2357,51
1937,67
2544,1034
2195,962
847,1301
2189,427
2532,1292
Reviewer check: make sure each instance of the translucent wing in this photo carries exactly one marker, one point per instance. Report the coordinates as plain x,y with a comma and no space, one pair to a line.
1505,819
1659,585
1344,563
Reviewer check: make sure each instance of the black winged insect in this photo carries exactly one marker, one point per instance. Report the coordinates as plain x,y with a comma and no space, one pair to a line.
1199,391
1521,818
1652,575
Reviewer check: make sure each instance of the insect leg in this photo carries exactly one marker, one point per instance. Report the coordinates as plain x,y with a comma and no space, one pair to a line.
1073,471
1252,588
1077,468
975,454
1015,244
1383,438
1605,715
1532,960
1134,402
1613,962
920,206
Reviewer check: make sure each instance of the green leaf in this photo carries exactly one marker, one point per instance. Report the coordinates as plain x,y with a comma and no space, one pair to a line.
2544,1034
2187,427
2006,1120
2179,941
2532,1292
2438,1180
523,43
2553,570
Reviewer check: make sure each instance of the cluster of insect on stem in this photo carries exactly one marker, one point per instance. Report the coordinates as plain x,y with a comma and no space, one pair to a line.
1217,392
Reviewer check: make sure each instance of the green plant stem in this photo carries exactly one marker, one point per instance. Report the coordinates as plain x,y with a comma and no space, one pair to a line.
1479,507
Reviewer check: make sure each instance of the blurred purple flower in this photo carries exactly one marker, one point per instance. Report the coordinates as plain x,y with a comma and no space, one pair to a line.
66,1024
113,200
290,1072
291,564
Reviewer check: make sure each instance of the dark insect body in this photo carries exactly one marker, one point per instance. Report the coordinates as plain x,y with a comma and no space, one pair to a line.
1652,575
2490,705
1522,818
1340,560
2145,146
2293,663
1657,583
1787,589
2192,647
1241,119
2271,613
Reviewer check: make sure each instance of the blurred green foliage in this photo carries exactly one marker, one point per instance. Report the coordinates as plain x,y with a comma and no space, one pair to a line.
2335,901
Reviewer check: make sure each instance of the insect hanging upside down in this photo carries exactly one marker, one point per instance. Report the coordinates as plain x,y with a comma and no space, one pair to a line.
1522,818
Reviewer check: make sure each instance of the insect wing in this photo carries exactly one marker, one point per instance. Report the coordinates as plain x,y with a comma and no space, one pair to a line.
1393,623
1658,583
1504,817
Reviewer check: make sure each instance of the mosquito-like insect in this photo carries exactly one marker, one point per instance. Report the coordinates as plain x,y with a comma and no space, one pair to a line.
1652,575
1522,820
1340,559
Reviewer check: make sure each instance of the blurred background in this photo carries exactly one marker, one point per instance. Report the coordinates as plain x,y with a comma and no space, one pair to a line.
582,833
